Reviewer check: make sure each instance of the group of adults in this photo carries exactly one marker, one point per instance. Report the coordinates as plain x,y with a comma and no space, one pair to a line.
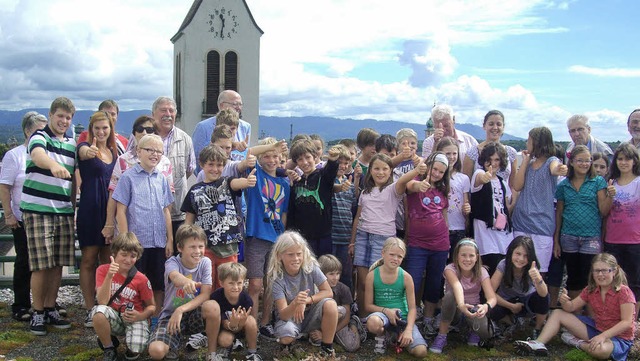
101,155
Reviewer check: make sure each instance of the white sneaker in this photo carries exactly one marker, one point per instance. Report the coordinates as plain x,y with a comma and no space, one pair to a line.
380,345
197,341
531,347
571,340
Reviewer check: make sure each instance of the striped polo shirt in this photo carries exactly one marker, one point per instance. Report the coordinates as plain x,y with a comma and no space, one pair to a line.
42,192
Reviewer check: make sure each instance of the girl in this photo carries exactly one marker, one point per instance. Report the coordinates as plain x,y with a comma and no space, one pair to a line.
294,275
428,232
583,199
97,157
459,188
520,288
390,300
375,219
490,204
609,334
536,180
600,164
464,279
622,238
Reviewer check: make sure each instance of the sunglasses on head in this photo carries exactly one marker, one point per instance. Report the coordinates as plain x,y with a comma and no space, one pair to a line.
148,130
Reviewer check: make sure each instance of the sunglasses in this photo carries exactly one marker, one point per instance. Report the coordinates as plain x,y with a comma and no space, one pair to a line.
148,130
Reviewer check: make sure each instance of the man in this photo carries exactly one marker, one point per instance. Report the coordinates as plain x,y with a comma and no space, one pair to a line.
633,124
203,130
48,206
444,122
580,133
111,107
178,147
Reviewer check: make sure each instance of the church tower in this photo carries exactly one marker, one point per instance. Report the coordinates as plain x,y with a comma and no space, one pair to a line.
216,48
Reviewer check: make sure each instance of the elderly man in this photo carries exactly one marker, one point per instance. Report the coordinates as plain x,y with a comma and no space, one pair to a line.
633,124
580,133
178,147
203,130
444,122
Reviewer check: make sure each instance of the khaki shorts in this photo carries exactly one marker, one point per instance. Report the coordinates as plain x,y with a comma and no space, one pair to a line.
50,239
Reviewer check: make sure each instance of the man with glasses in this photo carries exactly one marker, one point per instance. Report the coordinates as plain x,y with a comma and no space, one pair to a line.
580,133
204,129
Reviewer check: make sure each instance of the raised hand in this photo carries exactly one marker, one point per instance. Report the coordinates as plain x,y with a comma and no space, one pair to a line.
250,159
422,168
113,267
93,151
281,146
438,133
534,273
562,169
611,190
251,178
486,176
423,186
406,153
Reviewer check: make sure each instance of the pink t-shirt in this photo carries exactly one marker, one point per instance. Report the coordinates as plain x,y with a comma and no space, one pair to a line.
137,291
623,223
607,312
428,228
471,287
378,214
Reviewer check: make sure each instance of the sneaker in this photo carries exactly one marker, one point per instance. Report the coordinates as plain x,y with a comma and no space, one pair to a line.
266,332
224,352
37,326
438,343
110,354
473,340
88,320
197,341
327,352
54,319
571,340
253,357
429,327
237,345
173,355
212,357
315,343
528,347
291,351
130,355
114,341
380,346
21,314
61,310
355,320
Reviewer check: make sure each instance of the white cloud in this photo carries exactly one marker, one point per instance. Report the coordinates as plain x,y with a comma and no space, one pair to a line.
606,72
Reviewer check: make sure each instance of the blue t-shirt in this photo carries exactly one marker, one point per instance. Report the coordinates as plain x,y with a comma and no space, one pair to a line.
581,216
534,211
266,203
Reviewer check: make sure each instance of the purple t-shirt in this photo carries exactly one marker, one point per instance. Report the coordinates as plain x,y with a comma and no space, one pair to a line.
428,228
471,287
175,297
378,215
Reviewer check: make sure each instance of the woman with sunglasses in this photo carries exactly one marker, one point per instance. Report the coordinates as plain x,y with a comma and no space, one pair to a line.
96,158
141,126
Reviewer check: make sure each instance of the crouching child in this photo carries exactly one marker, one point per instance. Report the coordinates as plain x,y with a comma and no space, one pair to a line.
125,300
187,308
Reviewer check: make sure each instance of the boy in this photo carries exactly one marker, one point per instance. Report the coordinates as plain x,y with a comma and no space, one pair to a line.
143,198
47,205
366,141
387,144
231,118
235,310
405,160
267,205
128,312
310,205
211,205
350,331
186,304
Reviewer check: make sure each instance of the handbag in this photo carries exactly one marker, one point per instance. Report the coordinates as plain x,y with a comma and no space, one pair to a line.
501,222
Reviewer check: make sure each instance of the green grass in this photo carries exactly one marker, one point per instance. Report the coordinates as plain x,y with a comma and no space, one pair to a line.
13,339
578,355
79,353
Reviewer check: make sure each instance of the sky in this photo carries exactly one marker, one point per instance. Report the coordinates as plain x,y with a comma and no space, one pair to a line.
538,61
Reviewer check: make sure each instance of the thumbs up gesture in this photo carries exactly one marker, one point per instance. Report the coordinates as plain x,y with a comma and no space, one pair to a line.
486,176
534,273
93,151
611,190
113,267
406,153
423,186
345,184
422,168
251,159
251,178
562,169
439,132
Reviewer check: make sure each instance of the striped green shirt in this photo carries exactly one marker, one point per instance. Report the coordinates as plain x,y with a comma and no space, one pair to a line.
42,192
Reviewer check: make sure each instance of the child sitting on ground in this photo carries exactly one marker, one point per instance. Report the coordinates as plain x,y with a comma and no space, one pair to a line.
125,300
186,303
350,331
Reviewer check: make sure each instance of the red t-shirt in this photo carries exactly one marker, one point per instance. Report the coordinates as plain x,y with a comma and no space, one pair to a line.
607,312
137,291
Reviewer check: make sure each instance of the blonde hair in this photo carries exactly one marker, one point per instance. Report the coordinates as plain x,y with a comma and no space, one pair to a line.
266,141
343,152
150,138
477,268
390,242
288,239
406,133
235,271
619,277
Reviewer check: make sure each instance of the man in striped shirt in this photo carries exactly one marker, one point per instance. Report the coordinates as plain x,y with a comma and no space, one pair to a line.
48,203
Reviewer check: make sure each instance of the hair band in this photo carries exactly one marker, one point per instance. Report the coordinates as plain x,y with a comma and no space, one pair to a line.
465,242
442,159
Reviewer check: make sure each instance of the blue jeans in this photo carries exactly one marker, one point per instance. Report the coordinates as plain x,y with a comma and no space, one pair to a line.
420,260
341,251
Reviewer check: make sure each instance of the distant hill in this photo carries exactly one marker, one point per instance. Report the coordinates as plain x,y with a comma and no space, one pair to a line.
278,127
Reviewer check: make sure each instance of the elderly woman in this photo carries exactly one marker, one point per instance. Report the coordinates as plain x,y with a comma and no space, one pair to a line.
12,177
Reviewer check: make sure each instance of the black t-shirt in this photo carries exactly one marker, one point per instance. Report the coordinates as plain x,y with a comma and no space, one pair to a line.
225,307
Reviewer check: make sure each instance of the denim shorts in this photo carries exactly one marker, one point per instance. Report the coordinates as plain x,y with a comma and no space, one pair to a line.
586,245
415,333
368,248
621,346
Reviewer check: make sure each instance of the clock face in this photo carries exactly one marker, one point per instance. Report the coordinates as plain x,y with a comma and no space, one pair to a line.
223,23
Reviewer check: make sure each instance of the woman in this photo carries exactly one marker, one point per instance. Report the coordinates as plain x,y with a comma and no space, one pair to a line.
493,125
12,176
96,156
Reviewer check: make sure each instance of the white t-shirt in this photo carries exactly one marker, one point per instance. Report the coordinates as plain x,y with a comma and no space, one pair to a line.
491,240
378,215
458,186
12,174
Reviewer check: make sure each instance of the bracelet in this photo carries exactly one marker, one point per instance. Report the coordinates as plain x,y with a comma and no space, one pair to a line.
232,329
383,309
311,297
109,227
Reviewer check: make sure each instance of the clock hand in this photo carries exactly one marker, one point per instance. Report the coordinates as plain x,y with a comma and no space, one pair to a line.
222,26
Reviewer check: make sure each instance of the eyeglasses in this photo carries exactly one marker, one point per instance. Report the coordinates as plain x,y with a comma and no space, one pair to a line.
153,151
577,130
234,104
603,271
148,130
583,161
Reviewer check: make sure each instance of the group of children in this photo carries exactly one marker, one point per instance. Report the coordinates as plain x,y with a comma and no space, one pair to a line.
358,213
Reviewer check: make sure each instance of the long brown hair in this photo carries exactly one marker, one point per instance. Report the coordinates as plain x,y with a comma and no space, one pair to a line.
111,140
